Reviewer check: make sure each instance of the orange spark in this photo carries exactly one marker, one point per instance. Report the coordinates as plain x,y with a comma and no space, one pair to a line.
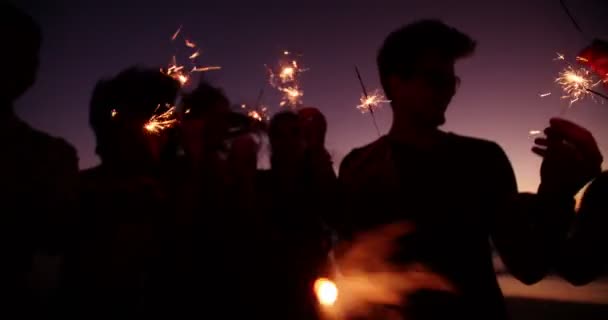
176,33
190,44
371,102
159,122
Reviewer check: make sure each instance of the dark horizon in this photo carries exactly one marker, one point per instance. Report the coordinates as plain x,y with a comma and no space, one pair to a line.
498,99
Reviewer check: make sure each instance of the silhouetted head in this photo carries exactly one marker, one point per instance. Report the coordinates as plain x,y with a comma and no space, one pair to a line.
416,65
206,115
21,40
313,126
121,107
286,140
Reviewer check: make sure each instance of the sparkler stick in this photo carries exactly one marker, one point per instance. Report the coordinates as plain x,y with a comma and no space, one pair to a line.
371,108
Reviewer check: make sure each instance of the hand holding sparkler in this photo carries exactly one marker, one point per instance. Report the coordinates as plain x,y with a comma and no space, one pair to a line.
571,158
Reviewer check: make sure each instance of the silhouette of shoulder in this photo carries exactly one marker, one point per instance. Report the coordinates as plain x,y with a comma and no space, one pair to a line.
364,155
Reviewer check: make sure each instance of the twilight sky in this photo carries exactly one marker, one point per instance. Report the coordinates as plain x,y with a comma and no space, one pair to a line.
497,100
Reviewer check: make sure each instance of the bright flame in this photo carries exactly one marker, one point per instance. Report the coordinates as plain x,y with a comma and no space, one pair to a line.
371,102
575,83
368,278
159,122
114,113
326,291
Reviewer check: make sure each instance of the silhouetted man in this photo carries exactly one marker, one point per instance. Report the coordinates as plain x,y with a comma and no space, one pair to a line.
39,172
457,191
124,218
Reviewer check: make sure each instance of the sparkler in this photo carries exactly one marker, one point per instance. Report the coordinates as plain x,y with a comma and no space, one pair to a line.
577,83
178,71
369,103
372,102
159,122
285,79
258,113
368,280
114,113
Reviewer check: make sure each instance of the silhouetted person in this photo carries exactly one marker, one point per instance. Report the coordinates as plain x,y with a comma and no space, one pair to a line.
457,191
124,212
294,202
39,173
216,257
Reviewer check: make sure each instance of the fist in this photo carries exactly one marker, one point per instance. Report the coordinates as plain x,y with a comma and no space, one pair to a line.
571,157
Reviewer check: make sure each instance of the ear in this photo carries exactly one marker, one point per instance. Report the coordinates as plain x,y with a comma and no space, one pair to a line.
392,84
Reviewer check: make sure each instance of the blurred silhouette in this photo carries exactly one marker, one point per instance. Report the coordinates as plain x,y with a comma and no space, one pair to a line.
216,259
124,211
457,191
295,195
38,180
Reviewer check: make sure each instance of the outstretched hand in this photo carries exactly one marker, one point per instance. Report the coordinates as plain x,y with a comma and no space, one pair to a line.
571,157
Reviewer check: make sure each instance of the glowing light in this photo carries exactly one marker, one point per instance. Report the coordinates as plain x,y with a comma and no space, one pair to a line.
535,132
203,69
259,113
371,102
326,291
176,33
576,83
114,113
178,71
542,95
285,78
190,44
195,55
160,122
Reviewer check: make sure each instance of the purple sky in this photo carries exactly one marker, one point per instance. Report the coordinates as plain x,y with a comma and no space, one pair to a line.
498,98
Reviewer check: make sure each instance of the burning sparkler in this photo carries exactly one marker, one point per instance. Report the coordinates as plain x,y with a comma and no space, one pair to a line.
576,83
368,280
159,122
372,102
180,72
258,113
369,102
114,113
326,291
285,79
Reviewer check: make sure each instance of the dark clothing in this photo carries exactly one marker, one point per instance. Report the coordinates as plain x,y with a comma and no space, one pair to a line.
37,195
450,193
294,211
121,231
584,258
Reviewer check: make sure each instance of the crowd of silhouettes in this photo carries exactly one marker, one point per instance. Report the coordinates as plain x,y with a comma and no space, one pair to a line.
183,223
